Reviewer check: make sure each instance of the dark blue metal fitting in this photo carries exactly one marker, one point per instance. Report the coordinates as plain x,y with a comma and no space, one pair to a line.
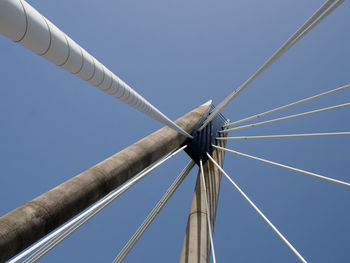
201,144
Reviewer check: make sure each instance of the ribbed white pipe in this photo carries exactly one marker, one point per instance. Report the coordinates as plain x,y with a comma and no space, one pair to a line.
20,22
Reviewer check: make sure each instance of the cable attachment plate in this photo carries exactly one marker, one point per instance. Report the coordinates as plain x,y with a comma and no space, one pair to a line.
198,147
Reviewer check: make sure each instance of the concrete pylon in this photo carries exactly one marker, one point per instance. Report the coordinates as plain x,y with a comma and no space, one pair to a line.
196,244
27,224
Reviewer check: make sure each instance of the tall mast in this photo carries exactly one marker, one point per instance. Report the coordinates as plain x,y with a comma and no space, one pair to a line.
25,225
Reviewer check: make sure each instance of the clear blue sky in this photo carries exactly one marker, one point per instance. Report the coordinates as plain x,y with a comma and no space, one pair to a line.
179,54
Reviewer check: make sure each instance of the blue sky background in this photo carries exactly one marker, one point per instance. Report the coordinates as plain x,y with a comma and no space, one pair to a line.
179,54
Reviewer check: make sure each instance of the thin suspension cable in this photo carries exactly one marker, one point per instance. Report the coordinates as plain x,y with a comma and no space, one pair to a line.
309,28
284,136
287,106
284,166
64,227
259,212
283,49
66,230
287,117
99,207
208,211
55,241
143,227
323,16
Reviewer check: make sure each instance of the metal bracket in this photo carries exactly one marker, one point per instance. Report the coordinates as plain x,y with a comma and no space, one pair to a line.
202,140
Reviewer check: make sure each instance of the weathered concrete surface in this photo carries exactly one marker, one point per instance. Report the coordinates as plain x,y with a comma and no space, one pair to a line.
25,225
196,245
